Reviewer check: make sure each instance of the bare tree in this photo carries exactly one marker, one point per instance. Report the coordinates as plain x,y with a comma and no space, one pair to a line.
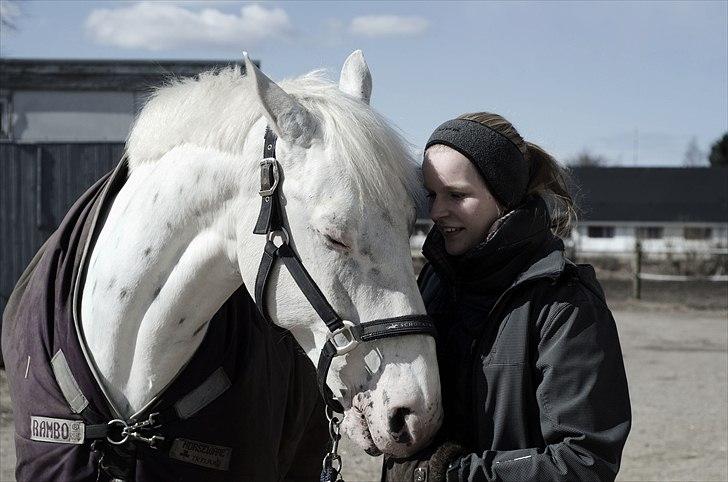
719,152
8,12
694,156
587,159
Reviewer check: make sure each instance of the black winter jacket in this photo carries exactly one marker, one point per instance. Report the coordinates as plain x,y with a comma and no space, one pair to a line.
532,374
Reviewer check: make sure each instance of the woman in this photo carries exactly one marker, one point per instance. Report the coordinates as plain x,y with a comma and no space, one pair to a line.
533,381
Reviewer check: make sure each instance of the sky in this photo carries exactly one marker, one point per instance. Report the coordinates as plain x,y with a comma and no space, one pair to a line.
632,82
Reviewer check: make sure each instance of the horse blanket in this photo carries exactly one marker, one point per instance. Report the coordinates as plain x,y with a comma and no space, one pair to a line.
244,408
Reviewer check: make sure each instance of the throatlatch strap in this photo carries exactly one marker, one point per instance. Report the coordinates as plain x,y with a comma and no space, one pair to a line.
261,280
269,216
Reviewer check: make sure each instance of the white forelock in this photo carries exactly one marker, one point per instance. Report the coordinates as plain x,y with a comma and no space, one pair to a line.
219,107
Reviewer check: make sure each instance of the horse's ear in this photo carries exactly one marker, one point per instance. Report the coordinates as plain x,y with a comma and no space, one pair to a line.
289,119
356,80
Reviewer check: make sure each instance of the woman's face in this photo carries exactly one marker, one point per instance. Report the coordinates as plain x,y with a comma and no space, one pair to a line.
461,206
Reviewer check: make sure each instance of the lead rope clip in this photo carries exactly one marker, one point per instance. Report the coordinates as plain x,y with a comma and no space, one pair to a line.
331,470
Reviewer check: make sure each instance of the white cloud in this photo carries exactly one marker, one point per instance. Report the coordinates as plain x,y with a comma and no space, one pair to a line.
9,12
163,26
388,26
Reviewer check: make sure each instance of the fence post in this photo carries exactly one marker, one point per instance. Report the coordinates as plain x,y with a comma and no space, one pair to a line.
636,280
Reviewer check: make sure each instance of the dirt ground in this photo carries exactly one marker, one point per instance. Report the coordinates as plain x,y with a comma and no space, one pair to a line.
677,366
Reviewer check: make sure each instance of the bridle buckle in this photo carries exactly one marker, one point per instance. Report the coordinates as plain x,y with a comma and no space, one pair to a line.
269,176
343,339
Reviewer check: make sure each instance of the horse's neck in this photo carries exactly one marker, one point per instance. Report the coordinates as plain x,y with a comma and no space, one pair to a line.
163,264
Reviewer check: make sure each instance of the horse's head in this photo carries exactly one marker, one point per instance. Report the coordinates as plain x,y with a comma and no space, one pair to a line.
347,194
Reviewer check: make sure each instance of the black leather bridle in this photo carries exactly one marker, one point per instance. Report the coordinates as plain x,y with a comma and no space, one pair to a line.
344,335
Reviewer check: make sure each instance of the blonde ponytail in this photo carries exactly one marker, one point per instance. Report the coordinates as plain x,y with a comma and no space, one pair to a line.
547,178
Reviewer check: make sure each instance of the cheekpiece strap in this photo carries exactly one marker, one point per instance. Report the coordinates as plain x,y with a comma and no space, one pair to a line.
269,217
261,280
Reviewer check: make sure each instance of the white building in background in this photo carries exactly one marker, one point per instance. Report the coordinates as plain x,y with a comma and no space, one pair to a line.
669,210
675,210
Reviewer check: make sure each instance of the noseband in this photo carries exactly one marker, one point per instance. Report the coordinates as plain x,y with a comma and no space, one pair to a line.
343,335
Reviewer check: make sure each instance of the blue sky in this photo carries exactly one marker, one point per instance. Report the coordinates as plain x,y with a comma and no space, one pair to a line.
624,80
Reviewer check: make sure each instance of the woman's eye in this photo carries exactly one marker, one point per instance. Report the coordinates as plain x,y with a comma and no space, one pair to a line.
457,195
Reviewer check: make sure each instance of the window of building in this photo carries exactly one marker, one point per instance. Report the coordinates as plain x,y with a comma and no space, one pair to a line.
600,231
649,232
4,118
697,233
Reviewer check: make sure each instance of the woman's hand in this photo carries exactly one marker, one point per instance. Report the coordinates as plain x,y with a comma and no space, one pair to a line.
429,465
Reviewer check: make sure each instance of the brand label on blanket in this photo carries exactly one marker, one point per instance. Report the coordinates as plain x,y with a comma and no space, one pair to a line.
198,453
57,430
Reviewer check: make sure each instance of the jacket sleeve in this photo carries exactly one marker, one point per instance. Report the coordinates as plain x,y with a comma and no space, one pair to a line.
582,398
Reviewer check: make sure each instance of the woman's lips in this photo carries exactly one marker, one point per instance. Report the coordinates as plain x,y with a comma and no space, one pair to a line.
450,231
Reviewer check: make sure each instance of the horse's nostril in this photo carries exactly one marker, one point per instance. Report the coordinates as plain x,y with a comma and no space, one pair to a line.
397,419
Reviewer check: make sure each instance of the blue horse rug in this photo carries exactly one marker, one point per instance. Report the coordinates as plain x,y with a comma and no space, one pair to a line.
245,408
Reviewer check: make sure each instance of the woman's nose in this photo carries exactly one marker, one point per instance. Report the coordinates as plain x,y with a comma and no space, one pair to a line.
438,210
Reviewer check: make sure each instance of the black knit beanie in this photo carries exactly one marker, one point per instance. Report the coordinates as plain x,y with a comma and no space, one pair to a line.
501,164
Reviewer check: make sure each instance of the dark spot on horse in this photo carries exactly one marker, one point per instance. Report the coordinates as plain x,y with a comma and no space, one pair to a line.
181,320
197,213
387,218
122,294
93,289
373,451
156,291
156,196
375,272
168,224
352,264
199,329
369,377
385,398
111,284
147,251
366,252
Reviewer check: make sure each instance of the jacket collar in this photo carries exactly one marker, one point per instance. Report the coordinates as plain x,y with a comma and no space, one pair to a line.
521,249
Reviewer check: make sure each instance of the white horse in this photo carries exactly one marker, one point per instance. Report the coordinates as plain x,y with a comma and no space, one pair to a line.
194,155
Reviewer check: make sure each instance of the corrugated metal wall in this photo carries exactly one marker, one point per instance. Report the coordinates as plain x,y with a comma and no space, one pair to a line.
38,184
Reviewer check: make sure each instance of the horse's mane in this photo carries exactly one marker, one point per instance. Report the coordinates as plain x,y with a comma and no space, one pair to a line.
218,108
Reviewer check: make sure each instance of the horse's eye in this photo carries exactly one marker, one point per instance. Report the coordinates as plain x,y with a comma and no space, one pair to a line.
335,243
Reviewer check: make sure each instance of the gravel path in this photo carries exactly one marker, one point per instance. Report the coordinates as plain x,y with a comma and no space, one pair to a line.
677,365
